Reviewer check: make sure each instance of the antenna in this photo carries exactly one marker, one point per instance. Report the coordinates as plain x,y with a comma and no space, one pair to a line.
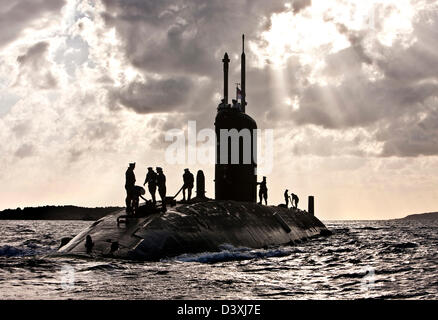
242,71
243,43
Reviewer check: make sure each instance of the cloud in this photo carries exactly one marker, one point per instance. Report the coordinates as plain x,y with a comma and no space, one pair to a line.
24,151
390,90
414,135
154,95
369,84
299,5
315,141
183,42
35,68
17,15
98,130
21,129
361,103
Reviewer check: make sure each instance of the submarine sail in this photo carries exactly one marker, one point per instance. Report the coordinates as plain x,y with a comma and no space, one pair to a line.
236,145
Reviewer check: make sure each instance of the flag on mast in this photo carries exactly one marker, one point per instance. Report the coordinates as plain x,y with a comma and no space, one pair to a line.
239,93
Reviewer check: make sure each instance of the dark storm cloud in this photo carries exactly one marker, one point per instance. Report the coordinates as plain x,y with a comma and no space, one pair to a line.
184,42
16,15
155,95
184,36
182,39
35,67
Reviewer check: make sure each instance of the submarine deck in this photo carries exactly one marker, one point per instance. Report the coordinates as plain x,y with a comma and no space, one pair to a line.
196,227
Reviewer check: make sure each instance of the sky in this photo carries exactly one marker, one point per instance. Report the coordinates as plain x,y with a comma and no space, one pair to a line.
349,88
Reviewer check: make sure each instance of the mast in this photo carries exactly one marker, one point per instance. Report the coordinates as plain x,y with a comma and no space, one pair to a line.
226,61
242,74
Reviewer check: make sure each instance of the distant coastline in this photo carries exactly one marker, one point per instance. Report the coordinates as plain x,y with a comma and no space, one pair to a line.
56,213
69,212
422,216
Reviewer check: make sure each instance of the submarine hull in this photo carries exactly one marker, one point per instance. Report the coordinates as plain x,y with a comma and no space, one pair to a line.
194,228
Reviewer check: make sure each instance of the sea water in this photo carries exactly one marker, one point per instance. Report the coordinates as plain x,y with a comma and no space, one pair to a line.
362,259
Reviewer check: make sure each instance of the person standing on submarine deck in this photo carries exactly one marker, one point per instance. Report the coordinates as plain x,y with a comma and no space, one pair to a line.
161,183
286,198
151,180
263,192
188,179
129,186
296,199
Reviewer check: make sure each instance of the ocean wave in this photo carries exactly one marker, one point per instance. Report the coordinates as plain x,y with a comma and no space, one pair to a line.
102,267
32,243
21,229
369,228
394,270
350,275
11,251
405,245
340,230
398,296
338,250
266,269
27,248
231,253
399,247
28,262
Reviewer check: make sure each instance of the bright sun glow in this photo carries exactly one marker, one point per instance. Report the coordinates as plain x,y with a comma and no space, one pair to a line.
293,103
321,29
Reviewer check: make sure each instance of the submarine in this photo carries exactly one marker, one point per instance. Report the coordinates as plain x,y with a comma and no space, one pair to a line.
202,224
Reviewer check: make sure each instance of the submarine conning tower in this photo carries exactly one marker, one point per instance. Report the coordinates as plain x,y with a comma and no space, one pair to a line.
236,143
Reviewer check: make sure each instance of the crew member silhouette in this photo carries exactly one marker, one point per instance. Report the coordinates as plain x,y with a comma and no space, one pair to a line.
136,194
129,186
294,200
151,180
89,244
286,198
189,179
161,183
235,104
263,191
